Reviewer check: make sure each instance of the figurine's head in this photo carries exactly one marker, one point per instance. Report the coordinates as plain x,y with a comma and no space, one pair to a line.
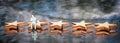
32,16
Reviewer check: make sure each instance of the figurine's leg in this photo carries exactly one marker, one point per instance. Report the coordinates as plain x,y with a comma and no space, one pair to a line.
35,26
31,26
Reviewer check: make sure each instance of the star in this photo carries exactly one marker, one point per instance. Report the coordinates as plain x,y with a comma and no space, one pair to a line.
82,23
13,23
57,23
106,24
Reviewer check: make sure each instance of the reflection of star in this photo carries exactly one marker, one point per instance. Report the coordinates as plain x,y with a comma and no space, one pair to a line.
57,23
13,23
82,23
106,24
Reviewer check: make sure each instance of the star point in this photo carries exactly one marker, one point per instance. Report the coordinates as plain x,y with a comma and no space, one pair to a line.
38,22
106,24
82,23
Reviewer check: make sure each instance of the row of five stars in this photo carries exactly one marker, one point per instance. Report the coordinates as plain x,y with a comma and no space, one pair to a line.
82,23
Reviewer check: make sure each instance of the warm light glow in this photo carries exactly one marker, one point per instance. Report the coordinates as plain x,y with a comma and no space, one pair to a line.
82,23
106,24
57,23
13,23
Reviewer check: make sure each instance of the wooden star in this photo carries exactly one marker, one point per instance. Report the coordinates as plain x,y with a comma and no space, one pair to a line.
82,23
57,23
106,24
13,23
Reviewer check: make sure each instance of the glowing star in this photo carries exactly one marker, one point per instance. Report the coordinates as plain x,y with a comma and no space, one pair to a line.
57,23
82,23
106,24
13,23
